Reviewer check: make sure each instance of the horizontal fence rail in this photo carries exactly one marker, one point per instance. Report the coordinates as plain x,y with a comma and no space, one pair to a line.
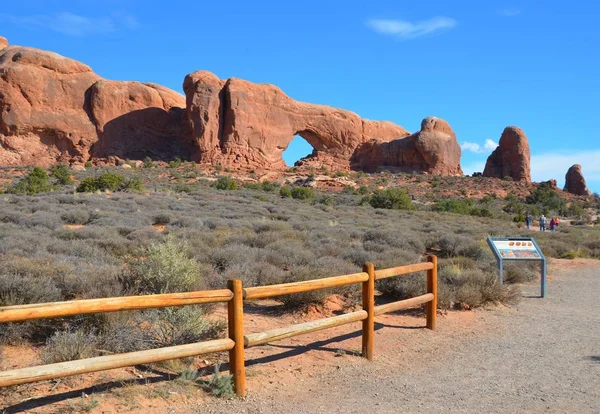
86,366
22,313
263,292
237,341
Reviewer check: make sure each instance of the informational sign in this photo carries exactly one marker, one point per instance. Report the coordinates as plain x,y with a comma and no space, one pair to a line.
518,248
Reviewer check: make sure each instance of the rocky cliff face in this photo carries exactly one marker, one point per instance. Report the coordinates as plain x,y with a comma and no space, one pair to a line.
54,109
575,182
512,158
433,149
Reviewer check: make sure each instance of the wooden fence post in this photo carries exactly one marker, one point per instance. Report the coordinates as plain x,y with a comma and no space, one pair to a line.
368,304
235,313
432,288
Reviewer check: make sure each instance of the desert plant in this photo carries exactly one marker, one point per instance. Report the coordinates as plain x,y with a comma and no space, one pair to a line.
226,183
303,193
69,346
62,174
285,192
33,183
391,198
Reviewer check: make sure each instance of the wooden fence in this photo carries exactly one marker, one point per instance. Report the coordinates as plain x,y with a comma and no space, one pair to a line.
234,296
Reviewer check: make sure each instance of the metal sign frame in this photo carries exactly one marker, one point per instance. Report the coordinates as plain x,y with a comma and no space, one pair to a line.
500,259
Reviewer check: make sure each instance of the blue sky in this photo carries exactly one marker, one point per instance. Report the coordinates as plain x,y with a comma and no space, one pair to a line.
481,65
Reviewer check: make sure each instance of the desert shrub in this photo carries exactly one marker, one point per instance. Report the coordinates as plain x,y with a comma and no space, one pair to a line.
75,217
148,163
226,183
518,273
451,205
481,212
161,219
391,198
69,346
450,244
163,268
304,299
175,162
285,192
303,193
106,181
220,385
33,183
62,174
270,186
134,184
160,328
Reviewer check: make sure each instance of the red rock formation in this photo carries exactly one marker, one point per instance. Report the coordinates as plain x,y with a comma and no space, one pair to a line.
512,158
135,120
575,183
434,149
239,123
42,116
3,43
55,109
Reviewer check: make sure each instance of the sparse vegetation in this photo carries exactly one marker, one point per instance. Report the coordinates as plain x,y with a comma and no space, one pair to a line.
208,236
33,183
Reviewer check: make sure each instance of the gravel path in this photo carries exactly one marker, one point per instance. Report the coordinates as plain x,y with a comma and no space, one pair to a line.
541,356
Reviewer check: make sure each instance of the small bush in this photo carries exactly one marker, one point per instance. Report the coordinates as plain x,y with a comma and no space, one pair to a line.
220,385
226,183
134,184
161,219
76,217
33,183
391,198
303,193
164,268
453,206
62,174
69,346
148,163
106,181
285,192
175,162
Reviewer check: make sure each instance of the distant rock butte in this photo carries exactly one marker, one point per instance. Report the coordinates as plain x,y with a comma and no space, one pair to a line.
575,183
434,149
54,109
512,158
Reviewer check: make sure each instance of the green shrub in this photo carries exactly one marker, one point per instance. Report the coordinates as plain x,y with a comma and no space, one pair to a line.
148,163
161,219
33,183
134,184
220,385
175,162
62,174
226,183
106,181
451,205
164,268
303,193
88,164
481,212
75,217
285,192
392,198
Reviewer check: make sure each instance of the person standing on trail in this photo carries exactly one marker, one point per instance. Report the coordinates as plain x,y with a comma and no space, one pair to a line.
528,221
542,223
552,224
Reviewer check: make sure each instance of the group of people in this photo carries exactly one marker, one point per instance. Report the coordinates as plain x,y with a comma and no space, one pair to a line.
554,221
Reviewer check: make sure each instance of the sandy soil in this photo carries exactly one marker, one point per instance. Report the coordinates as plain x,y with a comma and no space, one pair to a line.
539,356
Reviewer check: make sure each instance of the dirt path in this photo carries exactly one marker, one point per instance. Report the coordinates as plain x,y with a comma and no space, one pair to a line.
540,356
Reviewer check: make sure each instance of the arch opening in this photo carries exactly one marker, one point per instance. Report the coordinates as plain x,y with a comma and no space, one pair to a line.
297,149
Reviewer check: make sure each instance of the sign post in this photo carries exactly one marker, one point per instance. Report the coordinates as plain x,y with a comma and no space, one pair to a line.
518,248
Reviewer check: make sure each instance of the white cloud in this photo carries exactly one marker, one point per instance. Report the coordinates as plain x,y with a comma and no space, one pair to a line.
488,146
403,29
71,24
509,12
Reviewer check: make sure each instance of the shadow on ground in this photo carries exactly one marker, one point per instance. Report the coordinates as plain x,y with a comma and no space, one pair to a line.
160,376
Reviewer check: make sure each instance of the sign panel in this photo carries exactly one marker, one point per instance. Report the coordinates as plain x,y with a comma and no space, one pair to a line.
518,248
